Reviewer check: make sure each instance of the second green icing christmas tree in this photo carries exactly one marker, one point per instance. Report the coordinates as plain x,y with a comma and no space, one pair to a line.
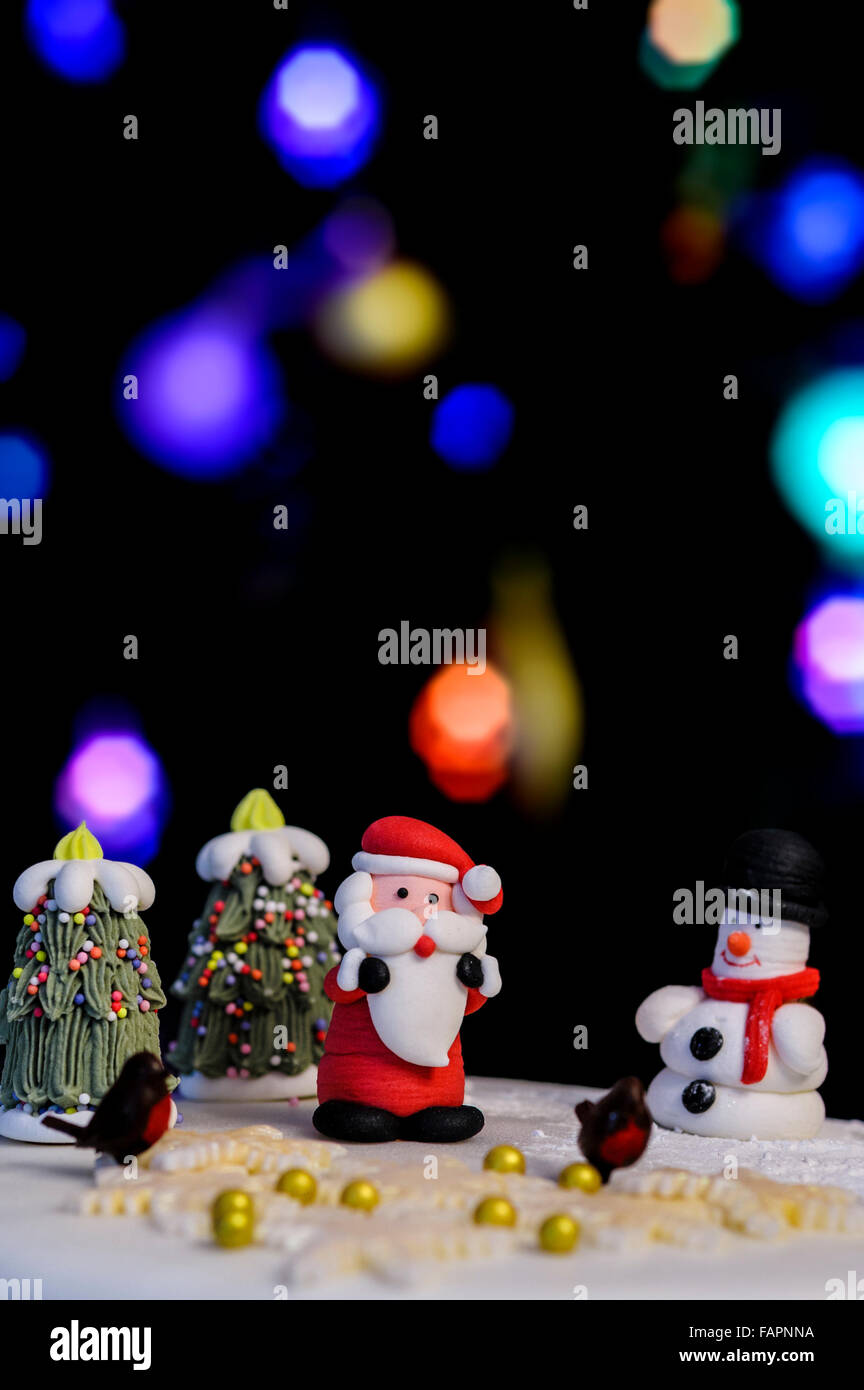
255,1014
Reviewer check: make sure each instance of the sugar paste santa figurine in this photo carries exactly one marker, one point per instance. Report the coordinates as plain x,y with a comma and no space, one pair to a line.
744,1053
411,921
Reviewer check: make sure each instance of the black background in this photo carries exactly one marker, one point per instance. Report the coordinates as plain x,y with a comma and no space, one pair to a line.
259,648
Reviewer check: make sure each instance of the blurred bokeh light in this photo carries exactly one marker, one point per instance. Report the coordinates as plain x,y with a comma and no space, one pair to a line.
115,782
360,234
532,651
209,395
462,728
320,114
13,341
472,425
25,472
714,176
829,660
389,322
80,40
809,235
684,40
817,461
693,241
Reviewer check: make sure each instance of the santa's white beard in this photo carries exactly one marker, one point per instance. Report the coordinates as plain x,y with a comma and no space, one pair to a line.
419,1013
396,930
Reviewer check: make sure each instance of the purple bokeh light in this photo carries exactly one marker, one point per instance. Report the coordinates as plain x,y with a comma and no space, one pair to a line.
115,781
209,396
829,657
360,234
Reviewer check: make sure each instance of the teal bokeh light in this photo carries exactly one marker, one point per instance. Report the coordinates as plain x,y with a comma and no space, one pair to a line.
672,77
817,462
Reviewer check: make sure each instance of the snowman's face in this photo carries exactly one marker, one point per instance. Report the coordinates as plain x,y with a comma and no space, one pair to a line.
750,948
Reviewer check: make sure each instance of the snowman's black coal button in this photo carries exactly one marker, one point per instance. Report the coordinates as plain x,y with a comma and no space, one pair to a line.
706,1043
698,1097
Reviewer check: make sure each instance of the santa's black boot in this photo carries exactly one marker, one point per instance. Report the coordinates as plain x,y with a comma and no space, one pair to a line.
442,1124
361,1124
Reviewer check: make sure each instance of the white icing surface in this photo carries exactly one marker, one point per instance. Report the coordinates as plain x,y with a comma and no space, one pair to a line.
420,1012
222,1088
726,1066
281,852
78,1253
126,887
481,883
739,1112
29,1129
349,969
491,976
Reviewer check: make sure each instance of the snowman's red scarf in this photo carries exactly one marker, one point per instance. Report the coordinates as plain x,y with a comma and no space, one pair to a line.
763,996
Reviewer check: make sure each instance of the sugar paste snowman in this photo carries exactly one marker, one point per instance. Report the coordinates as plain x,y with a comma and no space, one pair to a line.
744,1053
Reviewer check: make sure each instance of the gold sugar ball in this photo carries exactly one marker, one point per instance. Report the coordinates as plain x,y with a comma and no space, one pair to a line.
234,1199
504,1158
559,1234
495,1211
581,1175
234,1229
297,1183
360,1194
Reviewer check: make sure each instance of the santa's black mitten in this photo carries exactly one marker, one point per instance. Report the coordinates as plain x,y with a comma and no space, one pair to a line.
470,971
373,975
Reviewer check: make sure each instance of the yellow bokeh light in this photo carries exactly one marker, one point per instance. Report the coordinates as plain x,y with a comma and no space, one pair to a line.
692,31
547,696
391,321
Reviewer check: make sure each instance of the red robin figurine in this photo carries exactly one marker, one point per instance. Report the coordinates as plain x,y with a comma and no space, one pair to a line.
616,1128
136,1111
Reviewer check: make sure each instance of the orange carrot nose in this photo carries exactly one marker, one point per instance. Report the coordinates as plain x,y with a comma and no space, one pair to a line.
424,946
738,943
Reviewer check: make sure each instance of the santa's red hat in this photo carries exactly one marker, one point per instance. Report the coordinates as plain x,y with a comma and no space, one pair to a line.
400,845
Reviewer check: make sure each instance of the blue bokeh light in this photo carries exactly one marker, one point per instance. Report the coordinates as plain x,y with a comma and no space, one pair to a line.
81,40
25,472
809,236
472,426
209,396
13,341
321,115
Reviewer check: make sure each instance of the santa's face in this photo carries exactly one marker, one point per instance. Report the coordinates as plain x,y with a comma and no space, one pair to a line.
750,948
388,914
425,897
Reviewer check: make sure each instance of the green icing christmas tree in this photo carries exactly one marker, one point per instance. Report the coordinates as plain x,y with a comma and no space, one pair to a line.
253,981
84,993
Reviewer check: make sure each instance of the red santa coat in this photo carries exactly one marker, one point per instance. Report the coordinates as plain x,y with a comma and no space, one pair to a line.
357,1066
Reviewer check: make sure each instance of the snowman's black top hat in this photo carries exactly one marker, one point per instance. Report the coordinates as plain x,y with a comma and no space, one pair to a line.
767,860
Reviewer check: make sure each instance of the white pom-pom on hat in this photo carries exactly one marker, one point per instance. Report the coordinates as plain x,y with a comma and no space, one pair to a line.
481,883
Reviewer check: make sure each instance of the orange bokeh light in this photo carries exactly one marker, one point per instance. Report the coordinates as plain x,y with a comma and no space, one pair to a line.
693,241
462,728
